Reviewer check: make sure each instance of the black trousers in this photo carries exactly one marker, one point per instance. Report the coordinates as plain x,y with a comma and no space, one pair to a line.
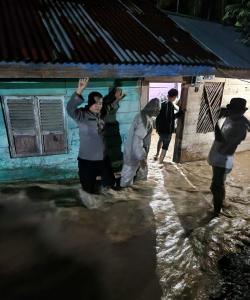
218,188
113,143
89,170
165,139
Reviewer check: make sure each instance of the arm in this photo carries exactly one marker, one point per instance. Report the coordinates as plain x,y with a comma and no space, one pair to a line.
179,114
111,101
118,97
232,134
138,141
159,119
247,122
77,99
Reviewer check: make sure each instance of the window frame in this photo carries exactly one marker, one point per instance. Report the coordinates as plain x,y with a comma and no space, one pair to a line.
37,128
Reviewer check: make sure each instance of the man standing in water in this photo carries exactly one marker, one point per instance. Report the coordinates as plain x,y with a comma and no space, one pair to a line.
230,131
165,124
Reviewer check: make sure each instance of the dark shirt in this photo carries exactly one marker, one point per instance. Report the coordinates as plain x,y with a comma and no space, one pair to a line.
165,120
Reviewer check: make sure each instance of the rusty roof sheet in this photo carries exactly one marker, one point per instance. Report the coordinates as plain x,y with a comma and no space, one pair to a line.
95,32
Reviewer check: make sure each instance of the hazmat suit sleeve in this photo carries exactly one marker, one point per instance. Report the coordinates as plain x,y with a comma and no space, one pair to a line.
134,150
138,143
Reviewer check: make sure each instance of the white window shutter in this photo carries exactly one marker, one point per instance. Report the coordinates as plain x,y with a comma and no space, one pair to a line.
52,124
22,126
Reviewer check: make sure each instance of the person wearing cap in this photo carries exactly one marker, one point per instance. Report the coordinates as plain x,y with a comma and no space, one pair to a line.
165,124
92,158
230,131
138,143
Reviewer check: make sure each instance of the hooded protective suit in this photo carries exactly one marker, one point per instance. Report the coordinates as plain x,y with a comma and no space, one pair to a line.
138,142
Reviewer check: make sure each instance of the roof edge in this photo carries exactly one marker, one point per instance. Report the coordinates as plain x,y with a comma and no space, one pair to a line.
30,70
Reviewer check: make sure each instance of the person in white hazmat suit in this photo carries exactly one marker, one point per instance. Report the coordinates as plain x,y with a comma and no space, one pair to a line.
138,143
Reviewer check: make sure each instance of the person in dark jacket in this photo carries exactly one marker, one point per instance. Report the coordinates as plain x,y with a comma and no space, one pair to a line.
165,124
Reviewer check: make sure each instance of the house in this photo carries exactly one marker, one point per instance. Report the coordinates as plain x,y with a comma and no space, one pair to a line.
46,45
232,79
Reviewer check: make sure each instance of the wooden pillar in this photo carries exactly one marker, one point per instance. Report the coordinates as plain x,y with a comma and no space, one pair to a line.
180,123
144,93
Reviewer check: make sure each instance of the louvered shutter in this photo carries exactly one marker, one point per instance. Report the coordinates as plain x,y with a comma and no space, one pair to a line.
22,126
210,104
52,125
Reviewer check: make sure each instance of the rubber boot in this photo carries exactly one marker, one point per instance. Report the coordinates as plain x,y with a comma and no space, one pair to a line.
162,156
218,198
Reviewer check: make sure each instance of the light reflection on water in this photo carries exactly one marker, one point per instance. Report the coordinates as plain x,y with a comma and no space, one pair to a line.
49,250
168,218
189,243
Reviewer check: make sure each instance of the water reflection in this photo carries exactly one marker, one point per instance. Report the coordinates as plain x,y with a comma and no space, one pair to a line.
190,244
52,247
56,249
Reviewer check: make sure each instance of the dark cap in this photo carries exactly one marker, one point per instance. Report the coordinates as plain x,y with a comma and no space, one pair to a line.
237,105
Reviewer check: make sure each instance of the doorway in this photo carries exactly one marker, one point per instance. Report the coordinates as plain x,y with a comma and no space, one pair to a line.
160,90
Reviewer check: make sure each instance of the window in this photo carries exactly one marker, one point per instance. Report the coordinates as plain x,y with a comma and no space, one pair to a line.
36,125
210,104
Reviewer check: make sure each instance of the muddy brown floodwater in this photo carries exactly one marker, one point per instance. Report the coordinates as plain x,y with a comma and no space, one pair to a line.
153,241
193,251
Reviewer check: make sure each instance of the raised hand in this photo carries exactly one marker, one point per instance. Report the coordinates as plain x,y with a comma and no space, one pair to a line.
119,94
83,82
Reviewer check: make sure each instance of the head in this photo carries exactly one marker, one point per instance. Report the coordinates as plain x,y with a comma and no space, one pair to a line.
152,108
172,95
237,106
223,112
95,102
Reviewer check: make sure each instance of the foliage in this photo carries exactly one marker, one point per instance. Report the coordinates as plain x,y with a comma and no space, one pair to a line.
238,14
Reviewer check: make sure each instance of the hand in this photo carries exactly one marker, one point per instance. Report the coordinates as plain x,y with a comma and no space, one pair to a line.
83,82
143,163
119,94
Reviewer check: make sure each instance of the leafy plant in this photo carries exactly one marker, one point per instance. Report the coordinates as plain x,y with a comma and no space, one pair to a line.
238,14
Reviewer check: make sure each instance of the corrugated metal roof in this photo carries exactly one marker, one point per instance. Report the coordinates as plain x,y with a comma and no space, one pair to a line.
223,41
95,32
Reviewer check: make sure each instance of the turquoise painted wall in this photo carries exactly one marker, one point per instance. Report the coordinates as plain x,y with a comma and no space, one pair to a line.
63,166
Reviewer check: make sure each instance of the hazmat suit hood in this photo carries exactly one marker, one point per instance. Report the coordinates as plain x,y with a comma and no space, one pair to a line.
152,109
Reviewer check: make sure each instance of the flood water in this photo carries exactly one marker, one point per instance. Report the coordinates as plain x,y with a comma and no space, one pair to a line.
153,241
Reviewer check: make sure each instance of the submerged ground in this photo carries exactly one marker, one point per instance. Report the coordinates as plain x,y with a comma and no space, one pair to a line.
154,240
